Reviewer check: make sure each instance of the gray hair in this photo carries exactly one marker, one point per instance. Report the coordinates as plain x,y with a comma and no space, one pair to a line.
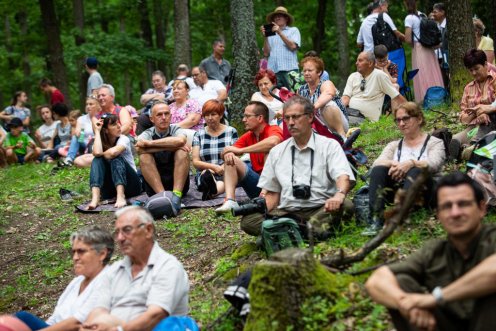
370,56
299,100
110,88
97,238
141,213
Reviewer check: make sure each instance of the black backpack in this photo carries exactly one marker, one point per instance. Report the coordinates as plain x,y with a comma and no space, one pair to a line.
430,35
384,35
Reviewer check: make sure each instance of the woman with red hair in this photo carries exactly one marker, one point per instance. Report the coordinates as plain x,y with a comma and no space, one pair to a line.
265,80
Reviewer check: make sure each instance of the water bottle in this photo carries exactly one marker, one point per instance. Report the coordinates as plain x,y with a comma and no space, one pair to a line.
81,136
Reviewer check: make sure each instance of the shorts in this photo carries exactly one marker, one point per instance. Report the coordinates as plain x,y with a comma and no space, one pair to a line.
250,181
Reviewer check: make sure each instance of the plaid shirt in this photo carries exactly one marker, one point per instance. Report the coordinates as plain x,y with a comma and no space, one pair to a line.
212,147
281,58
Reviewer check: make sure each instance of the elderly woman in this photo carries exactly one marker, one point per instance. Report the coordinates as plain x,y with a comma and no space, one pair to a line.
265,80
113,172
323,95
402,161
475,106
208,144
185,112
483,43
17,109
91,252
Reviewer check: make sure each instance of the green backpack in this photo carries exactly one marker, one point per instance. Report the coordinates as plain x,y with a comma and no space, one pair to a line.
279,234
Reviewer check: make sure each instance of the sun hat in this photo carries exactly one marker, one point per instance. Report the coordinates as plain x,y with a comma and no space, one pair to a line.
280,10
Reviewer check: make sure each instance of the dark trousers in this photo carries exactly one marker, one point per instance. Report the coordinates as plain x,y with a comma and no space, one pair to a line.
382,188
482,319
107,174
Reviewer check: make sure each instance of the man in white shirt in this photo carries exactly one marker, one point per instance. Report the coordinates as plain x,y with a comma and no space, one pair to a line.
206,89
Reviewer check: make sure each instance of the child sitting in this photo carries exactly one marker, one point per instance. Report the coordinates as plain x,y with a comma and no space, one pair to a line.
73,118
19,146
383,63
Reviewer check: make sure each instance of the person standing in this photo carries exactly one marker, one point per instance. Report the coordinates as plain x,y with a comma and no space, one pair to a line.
95,80
282,46
439,14
215,65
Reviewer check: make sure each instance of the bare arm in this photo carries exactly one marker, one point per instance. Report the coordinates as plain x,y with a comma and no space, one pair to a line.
399,35
125,120
272,199
97,143
335,202
289,43
266,47
113,152
397,101
148,320
263,146
345,100
164,144
327,92
222,95
70,324
191,120
6,117
145,98
383,288
490,56
408,36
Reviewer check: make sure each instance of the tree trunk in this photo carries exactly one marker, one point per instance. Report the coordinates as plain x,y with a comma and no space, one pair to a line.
245,56
22,18
182,41
55,55
318,40
146,32
460,39
343,69
160,16
279,288
78,13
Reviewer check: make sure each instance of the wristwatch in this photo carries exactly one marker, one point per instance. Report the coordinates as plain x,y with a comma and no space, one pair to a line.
437,293
341,191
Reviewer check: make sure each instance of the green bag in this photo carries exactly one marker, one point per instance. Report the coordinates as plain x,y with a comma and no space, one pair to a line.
279,234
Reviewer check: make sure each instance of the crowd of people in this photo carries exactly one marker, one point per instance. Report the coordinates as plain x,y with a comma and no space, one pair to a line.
280,158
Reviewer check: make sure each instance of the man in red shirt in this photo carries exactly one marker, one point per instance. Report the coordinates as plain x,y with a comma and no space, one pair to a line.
258,141
55,95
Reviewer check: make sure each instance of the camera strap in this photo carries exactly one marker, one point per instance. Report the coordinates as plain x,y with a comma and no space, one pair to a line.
292,164
424,146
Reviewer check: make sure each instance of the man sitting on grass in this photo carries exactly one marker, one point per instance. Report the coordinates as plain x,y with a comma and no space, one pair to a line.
19,146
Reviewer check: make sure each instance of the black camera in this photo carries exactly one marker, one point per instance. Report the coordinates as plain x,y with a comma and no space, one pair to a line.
256,205
301,192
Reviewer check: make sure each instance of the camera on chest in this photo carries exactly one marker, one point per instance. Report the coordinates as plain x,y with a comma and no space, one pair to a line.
301,191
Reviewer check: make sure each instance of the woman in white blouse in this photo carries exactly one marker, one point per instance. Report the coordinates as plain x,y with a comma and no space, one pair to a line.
265,80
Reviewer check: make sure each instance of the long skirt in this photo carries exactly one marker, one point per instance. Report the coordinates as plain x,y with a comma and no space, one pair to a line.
429,74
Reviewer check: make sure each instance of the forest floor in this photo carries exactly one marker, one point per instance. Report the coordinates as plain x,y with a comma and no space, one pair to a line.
35,264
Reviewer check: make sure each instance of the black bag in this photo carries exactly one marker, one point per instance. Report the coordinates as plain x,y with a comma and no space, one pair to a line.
445,135
430,35
279,234
160,205
361,204
384,35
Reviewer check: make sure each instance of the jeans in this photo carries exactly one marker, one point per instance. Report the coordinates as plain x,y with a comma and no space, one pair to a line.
34,322
75,147
249,182
107,174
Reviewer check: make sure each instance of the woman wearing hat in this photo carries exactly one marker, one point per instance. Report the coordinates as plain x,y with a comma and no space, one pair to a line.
281,46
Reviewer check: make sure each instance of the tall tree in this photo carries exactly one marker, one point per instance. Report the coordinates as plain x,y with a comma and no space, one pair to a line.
22,18
160,18
245,55
318,40
182,43
460,38
146,32
78,13
55,55
343,69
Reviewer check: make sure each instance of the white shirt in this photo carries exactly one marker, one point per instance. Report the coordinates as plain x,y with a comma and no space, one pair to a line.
86,125
365,34
209,91
127,154
413,22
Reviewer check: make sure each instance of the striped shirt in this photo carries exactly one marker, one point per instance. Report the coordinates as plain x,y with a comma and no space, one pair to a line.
211,147
281,58
476,93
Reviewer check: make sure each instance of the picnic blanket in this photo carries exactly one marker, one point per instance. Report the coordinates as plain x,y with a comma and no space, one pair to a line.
191,200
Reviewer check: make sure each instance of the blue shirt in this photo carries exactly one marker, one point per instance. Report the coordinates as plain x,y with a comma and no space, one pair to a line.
281,58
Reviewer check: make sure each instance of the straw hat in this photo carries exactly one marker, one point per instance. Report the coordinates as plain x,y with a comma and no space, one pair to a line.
280,10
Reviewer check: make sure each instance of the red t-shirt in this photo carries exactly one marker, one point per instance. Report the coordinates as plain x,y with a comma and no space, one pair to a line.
249,138
56,97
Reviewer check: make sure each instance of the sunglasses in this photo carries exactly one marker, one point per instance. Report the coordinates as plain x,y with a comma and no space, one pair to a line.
362,85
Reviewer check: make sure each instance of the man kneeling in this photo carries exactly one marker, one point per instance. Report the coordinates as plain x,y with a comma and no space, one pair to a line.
449,284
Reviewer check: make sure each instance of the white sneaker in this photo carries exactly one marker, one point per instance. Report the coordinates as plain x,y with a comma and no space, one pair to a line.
227,206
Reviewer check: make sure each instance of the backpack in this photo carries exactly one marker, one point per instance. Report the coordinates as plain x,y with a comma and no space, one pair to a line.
361,205
384,35
430,35
481,167
160,205
435,96
445,135
279,234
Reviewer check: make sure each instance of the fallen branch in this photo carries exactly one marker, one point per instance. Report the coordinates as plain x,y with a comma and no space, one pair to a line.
399,214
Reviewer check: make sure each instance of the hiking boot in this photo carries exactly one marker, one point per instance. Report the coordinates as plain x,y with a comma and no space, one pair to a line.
454,150
227,206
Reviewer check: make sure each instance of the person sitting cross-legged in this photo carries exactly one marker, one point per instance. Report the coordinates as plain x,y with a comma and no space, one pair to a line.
259,139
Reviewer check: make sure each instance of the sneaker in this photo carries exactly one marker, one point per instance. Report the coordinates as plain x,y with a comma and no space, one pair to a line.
227,206
176,204
372,229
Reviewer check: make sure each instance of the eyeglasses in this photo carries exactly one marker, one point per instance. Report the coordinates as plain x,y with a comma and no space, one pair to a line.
80,251
250,115
295,117
362,85
405,119
127,230
461,204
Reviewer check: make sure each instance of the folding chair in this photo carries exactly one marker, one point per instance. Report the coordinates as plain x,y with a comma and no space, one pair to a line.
398,56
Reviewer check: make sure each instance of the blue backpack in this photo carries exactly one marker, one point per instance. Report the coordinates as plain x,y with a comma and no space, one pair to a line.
435,96
177,323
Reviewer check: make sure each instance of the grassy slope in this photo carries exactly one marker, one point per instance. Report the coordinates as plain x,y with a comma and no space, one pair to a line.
35,226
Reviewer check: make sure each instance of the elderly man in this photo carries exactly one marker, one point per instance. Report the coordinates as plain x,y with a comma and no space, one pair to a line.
146,286
95,80
307,175
365,90
206,89
449,283
281,45
258,140
215,65
163,155
106,96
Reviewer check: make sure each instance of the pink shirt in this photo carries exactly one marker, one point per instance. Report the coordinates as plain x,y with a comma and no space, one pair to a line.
179,114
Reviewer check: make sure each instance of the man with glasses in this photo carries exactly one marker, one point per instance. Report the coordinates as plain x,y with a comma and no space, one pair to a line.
365,90
448,284
164,158
206,89
307,176
143,288
257,141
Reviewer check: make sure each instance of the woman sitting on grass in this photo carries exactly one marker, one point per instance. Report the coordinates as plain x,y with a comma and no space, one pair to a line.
402,161
208,144
91,252
113,172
